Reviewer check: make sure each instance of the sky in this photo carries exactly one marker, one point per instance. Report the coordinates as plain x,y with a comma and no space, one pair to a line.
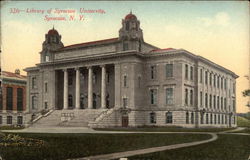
218,31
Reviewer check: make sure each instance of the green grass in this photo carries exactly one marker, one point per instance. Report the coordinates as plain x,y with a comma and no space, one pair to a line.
11,127
227,147
243,122
62,146
165,129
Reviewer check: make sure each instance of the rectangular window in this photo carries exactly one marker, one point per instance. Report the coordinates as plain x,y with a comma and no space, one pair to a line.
19,99
153,72
214,80
218,119
215,119
210,101
9,119
125,46
19,120
186,71
124,81
201,75
221,83
234,88
191,72
45,105
191,97
225,84
187,118
202,118
169,70
218,82
206,77
225,103
9,98
233,105
125,102
1,120
214,101
153,96
192,118
210,79
169,117
152,117
207,118
201,99
169,96
211,118
186,96
33,82
46,87
218,102
206,100
221,102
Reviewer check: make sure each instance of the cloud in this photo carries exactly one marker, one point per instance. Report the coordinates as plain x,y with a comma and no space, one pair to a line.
220,19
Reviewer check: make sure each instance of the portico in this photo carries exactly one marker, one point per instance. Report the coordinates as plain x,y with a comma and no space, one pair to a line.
86,87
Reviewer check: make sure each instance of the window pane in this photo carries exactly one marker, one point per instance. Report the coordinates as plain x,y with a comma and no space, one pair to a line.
169,96
169,70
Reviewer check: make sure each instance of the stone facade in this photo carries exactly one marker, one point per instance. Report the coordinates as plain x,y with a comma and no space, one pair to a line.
131,83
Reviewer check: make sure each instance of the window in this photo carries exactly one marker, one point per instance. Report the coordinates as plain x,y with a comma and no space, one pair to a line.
34,102
234,88
9,119
45,87
70,100
191,97
19,120
9,98
192,118
221,83
233,104
214,80
125,46
206,78
221,101
206,118
218,82
153,72
225,103
1,120
153,96
46,58
33,82
202,118
191,72
70,78
187,118
45,105
108,76
94,78
186,96
201,98
211,118
152,117
214,101
125,102
125,81
206,100
218,119
210,79
169,96
19,99
169,117
222,119
210,101
127,26
225,84
218,102
186,71
201,75
215,119
169,70
225,119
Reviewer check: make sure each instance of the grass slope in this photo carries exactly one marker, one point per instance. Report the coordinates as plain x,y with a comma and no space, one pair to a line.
243,122
63,146
227,147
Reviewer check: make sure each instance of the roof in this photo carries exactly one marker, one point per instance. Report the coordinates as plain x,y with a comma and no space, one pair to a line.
10,75
164,49
79,45
53,32
130,16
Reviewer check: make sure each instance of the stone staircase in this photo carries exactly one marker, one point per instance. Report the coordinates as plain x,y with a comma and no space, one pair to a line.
68,118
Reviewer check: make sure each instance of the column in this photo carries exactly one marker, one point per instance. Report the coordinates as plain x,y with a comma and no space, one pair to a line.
90,88
117,85
77,88
65,89
103,88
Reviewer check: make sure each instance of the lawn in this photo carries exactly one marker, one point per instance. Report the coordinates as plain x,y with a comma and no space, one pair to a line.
227,147
165,129
243,122
62,146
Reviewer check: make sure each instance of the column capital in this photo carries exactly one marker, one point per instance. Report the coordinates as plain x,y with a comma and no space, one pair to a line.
89,67
65,70
103,65
77,68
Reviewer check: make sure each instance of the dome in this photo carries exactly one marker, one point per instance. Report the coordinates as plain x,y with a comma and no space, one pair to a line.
53,32
130,16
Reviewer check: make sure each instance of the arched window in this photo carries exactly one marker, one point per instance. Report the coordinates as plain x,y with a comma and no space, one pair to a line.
152,117
169,117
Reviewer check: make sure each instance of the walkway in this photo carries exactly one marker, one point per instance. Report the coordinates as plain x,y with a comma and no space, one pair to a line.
147,150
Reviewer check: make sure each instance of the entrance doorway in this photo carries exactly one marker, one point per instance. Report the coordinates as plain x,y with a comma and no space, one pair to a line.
124,121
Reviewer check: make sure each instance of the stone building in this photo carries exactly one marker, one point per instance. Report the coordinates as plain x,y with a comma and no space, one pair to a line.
125,81
12,98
